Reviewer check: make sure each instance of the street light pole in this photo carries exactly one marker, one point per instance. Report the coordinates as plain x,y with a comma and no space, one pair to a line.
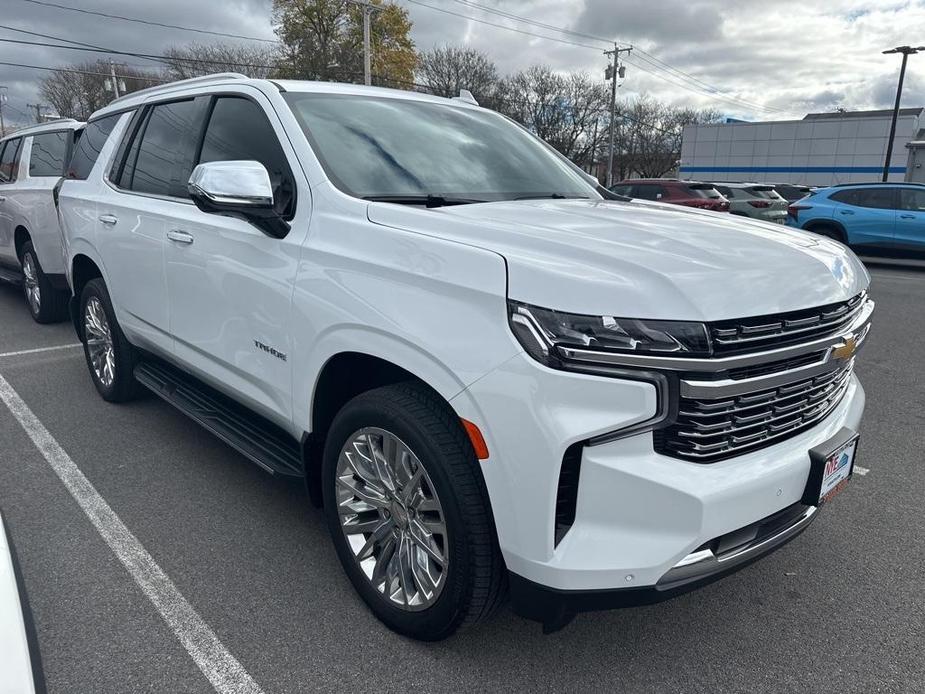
906,51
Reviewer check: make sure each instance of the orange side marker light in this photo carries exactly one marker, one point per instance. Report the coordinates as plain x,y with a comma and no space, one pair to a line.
475,436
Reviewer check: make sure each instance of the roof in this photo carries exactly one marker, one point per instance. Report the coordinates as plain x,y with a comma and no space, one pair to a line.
222,78
864,114
50,126
878,183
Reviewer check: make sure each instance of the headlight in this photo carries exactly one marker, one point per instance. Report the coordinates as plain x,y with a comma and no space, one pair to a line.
541,331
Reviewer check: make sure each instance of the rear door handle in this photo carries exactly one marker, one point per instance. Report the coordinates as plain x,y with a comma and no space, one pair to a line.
2,198
109,219
179,236
907,216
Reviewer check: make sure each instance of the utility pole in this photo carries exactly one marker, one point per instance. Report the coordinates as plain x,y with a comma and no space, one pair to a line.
368,9
906,51
112,76
2,100
614,70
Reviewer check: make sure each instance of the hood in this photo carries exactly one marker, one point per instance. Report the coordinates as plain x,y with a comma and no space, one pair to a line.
644,260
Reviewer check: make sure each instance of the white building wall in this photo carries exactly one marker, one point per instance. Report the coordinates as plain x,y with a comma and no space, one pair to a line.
814,152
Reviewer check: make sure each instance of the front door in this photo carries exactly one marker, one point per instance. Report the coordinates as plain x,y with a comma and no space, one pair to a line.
910,219
230,285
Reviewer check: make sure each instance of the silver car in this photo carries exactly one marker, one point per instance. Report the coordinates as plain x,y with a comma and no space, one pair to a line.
754,200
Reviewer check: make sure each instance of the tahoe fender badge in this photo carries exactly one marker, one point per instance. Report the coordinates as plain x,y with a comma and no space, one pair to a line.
270,350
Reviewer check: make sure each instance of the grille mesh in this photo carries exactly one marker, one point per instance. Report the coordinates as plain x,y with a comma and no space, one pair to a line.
767,332
710,430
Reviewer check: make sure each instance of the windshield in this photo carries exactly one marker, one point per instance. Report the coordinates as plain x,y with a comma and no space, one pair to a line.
377,147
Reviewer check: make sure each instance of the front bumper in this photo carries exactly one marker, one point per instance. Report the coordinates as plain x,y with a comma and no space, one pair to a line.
638,513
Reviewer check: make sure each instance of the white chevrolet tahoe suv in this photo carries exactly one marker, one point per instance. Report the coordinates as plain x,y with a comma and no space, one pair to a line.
32,161
496,380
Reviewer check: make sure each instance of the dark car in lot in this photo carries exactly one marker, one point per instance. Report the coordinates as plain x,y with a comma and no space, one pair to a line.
791,192
674,191
873,216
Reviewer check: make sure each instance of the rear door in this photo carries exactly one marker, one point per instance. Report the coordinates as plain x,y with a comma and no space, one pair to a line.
910,219
43,166
9,165
867,214
147,193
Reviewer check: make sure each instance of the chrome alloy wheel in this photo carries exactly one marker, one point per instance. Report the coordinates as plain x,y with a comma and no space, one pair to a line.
392,519
30,275
99,342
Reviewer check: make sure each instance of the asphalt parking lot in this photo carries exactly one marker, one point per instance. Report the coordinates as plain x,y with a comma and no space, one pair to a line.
840,609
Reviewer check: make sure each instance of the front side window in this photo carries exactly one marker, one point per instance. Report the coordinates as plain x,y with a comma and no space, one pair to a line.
646,191
9,160
49,152
912,199
90,142
379,147
238,129
159,161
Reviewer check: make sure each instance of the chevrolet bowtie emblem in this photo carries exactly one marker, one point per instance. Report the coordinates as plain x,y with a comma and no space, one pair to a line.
847,349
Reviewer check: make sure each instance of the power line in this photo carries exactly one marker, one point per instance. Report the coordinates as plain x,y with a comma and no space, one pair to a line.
81,72
152,56
148,22
53,38
645,56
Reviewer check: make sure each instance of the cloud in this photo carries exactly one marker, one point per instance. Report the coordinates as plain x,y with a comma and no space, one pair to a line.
789,56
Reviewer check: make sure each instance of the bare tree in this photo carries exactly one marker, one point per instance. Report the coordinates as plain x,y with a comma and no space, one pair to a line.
197,59
448,69
649,136
564,110
76,91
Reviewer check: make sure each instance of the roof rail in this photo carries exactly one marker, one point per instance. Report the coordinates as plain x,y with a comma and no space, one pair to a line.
875,183
192,80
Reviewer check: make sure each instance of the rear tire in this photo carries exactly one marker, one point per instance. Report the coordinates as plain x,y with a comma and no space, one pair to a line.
830,232
450,501
46,304
111,358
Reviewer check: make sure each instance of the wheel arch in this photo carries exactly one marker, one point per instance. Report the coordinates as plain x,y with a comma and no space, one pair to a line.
21,236
814,224
343,376
83,269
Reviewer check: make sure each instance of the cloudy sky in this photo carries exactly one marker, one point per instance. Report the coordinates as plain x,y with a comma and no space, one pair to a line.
751,59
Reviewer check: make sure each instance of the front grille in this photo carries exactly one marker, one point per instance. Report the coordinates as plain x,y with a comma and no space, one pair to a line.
767,332
707,430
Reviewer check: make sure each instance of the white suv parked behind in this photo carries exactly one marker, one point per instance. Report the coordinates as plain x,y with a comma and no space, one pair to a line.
32,162
494,377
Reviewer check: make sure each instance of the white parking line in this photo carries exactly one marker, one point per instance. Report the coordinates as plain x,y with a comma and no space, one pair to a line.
218,665
37,350
861,470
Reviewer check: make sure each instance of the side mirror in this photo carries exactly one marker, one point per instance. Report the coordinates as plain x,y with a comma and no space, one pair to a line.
237,189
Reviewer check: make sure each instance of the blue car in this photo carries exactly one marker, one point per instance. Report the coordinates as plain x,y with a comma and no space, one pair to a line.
872,216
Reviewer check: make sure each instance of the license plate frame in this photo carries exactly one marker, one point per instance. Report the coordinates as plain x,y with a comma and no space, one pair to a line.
831,467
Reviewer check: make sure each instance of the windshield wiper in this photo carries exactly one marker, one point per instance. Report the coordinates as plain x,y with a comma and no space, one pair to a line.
426,200
550,196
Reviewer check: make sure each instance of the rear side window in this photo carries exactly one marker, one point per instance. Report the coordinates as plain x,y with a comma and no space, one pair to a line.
878,198
158,161
49,152
9,160
90,142
912,199
238,129
649,192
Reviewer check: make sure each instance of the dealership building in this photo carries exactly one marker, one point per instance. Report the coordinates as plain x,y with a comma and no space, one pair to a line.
821,149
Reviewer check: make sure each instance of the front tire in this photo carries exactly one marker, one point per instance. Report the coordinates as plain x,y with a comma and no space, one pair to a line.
46,304
409,513
110,356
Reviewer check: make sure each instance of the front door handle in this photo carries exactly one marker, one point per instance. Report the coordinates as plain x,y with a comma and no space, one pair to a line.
179,236
2,198
907,216
109,219
846,211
